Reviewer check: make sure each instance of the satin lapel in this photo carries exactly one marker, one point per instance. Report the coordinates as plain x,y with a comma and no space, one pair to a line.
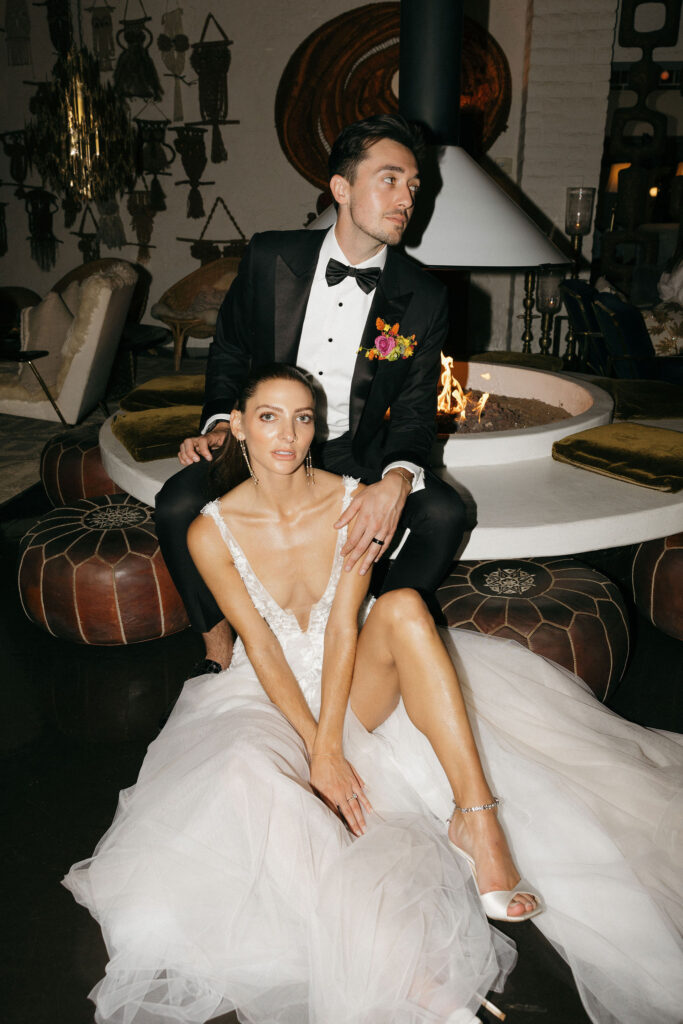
293,280
390,305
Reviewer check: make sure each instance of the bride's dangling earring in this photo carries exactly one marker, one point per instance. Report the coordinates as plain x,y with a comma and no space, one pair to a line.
310,472
245,455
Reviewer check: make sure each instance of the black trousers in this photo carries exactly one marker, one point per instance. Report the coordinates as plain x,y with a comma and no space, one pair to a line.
435,517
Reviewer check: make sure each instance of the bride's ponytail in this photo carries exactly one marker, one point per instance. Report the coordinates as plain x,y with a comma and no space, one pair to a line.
228,468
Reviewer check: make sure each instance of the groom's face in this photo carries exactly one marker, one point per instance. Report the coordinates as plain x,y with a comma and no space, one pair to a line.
379,202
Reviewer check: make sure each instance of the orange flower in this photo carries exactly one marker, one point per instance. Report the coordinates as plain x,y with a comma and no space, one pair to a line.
379,323
394,329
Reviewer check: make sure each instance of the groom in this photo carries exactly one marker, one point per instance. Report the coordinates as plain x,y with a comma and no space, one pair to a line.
338,304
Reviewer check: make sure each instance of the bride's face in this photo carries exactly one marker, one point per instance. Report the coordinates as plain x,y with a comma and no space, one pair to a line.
278,425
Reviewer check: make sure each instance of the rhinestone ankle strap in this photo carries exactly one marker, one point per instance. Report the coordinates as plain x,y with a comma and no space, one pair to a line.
481,807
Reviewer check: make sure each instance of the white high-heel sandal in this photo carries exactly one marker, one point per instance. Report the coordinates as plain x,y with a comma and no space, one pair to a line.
496,903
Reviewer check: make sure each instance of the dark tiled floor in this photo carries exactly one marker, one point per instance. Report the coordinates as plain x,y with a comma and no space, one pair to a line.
74,729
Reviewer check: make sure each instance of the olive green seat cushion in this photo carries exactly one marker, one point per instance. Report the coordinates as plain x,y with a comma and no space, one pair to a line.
648,456
149,434
642,399
164,392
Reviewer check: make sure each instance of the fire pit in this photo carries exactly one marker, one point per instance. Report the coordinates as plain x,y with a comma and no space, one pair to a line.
476,412
554,405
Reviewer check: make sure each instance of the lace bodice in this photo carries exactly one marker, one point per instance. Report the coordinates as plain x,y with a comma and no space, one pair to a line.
303,648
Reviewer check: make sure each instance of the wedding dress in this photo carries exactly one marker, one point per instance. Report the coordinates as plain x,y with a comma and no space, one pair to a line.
224,882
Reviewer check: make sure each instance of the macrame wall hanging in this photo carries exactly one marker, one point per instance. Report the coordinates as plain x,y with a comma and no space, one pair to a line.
142,214
174,44
190,145
111,232
88,241
59,24
207,250
14,145
154,156
17,33
211,60
41,207
102,35
135,74
71,207
3,230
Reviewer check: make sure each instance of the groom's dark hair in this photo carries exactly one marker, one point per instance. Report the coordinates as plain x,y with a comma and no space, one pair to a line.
353,142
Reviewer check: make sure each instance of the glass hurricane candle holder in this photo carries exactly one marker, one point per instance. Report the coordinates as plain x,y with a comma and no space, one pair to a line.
579,211
548,302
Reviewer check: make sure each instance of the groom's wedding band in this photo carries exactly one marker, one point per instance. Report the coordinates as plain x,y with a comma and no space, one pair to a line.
376,541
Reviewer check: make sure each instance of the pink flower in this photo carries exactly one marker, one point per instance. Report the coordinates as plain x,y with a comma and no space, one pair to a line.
385,344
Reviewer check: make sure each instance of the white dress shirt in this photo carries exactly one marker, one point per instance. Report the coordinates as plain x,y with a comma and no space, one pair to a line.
330,337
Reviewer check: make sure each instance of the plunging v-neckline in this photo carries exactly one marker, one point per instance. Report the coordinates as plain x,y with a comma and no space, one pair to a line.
330,579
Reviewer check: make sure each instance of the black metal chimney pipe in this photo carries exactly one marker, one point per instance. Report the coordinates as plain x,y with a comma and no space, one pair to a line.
429,66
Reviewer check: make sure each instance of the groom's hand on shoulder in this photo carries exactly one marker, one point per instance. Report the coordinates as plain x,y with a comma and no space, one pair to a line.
192,449
374,513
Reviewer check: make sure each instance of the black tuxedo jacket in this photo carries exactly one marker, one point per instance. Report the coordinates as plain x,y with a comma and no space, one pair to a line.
261,319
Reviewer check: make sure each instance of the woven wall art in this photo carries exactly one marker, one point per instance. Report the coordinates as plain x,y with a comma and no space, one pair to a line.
59,24
142,214
111,233
17,33
41,207
211,61
135,74
173,45
355,57
206,250
14,146
191,145
102,35
154,156
88,241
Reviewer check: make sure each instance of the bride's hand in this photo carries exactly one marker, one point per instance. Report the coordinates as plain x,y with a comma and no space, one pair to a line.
340,786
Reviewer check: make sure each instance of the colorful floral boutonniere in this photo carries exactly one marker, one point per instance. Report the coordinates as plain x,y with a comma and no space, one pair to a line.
389,344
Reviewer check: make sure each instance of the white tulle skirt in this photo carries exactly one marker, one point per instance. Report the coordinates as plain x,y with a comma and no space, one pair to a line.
225,883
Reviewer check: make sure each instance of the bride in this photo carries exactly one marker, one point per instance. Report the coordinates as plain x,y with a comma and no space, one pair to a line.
314,835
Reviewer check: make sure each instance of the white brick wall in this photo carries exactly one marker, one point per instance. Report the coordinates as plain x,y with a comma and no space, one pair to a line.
563,124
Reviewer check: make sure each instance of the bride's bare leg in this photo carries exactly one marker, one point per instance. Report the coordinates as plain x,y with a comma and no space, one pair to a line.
400,654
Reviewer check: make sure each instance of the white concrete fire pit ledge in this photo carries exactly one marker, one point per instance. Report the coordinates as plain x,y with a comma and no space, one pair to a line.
524,504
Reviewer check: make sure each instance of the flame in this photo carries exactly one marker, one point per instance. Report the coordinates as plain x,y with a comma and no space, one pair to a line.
452,399
444,400
478,406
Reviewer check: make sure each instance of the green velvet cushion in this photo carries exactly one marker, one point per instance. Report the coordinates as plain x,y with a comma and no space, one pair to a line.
642,399
150,434
163,392
648,456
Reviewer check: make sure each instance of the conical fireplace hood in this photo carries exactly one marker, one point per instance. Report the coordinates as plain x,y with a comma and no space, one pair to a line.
463,218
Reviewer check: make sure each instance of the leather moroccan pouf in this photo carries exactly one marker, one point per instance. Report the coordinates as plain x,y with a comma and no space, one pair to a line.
556,607
71,467
92,572
657,583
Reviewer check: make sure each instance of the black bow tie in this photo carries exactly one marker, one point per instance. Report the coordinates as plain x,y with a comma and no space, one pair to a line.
366,279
